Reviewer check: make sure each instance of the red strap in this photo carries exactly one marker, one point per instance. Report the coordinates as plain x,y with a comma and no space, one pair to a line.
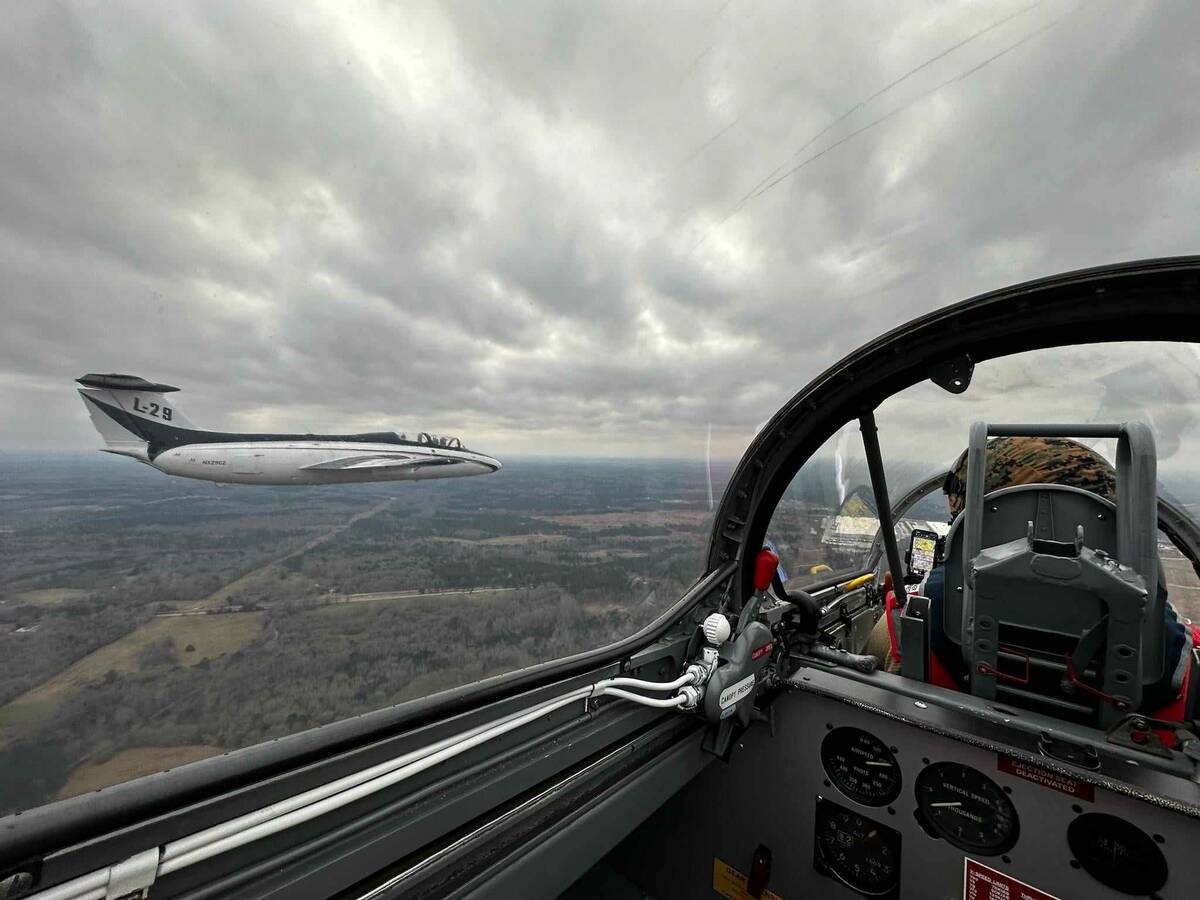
889,607
940,675
1175,710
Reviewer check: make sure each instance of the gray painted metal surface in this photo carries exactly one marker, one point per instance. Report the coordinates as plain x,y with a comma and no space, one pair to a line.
563,856
728,811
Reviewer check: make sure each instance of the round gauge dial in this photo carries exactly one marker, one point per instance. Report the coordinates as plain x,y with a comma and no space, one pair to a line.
862,854
1117,853
861,766
966,808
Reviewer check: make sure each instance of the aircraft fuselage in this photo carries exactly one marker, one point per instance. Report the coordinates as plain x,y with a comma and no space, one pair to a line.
317,462
136,419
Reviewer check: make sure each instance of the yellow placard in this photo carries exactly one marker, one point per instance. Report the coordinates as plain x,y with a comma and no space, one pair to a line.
729,882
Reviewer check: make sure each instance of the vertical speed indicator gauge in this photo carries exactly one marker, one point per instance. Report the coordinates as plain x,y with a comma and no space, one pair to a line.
861,766
966,808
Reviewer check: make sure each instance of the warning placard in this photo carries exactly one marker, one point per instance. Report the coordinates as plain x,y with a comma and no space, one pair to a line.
729,882
1047,778
983,883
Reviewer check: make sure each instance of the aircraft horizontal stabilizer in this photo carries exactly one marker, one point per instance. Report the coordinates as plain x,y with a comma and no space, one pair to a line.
357,463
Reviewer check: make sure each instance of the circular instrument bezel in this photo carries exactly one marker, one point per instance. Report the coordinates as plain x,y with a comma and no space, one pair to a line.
885,841
983,800
1143,871
854,761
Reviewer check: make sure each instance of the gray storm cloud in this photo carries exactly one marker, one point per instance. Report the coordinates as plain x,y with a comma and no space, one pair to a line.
570,228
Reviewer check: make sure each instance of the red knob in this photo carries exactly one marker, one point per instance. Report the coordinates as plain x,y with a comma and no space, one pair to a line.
764,568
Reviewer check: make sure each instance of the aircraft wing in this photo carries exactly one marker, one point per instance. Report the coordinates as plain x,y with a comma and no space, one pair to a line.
378,461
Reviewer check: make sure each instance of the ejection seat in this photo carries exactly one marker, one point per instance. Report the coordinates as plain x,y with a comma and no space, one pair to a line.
1051,592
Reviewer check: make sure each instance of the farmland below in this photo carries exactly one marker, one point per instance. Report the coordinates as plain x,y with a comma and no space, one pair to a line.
146,622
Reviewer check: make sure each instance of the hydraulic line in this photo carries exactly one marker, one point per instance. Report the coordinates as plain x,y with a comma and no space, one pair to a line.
661,703
645,685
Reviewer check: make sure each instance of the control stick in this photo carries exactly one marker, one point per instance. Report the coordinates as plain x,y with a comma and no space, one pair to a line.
808,611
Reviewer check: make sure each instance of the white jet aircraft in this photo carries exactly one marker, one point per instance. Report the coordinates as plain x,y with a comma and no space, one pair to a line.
135,419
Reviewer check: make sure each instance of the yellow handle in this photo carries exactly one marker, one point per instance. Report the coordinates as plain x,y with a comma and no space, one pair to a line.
859,581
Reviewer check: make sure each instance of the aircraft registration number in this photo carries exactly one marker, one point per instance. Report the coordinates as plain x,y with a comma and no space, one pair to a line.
152,409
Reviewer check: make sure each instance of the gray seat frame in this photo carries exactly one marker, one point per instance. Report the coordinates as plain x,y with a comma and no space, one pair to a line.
1016,565
1057,510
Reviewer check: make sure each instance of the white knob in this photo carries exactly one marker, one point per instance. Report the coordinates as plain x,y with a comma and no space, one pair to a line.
716,629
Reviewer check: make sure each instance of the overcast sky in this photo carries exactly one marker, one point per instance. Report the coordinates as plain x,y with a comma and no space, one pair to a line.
557,227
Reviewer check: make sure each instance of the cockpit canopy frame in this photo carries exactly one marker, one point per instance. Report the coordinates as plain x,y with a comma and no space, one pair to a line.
1150,300
426,439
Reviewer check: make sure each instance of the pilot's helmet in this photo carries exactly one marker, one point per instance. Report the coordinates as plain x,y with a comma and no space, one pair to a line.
1034,460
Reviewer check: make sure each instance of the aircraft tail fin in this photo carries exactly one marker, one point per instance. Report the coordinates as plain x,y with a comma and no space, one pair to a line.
128,411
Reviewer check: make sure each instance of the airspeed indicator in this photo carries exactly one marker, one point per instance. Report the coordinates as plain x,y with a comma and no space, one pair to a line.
861,766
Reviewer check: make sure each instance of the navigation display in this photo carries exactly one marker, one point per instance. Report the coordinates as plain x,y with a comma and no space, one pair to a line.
922,551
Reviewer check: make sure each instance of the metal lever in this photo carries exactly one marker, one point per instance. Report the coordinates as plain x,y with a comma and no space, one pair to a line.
863,663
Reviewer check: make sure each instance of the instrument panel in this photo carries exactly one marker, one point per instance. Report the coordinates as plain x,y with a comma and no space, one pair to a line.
960,805
933,816
970,802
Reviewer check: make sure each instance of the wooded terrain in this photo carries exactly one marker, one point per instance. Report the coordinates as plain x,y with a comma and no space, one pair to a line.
141,612
146,620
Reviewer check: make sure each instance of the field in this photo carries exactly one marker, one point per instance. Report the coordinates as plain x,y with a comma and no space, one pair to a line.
50,596
129,764
1183,587
209,637
256,577
667,516
616,553
147,621
505,540
350,604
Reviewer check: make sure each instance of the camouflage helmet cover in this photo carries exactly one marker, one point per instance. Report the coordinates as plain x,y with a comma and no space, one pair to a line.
1034,460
